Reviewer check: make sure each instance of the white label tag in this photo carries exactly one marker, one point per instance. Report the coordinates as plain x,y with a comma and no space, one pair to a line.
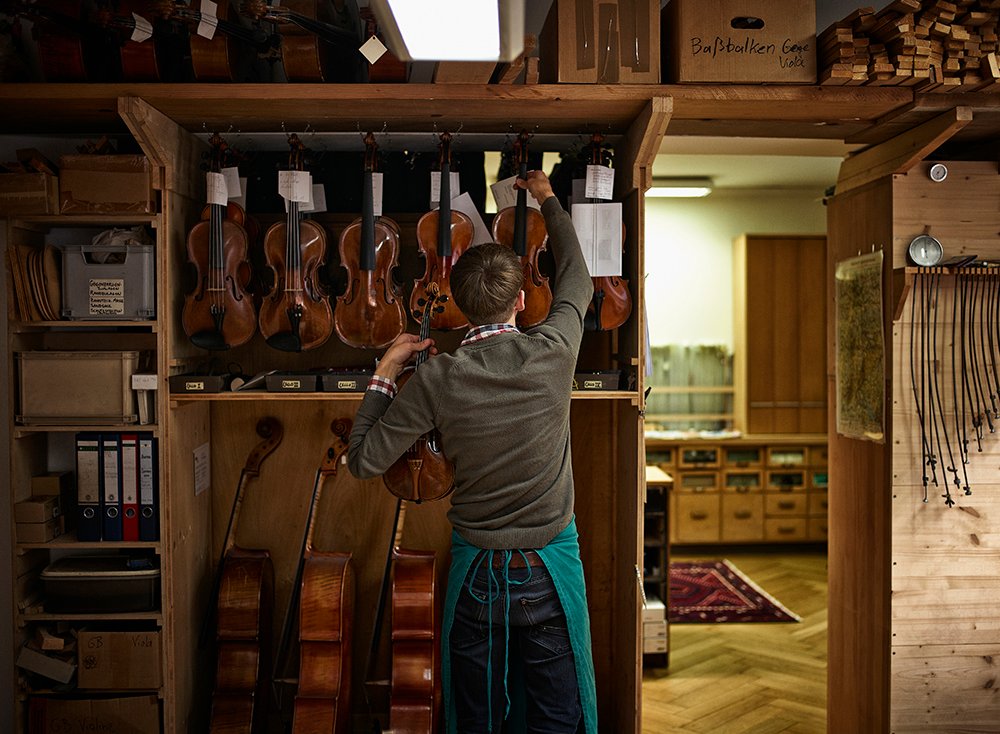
234,188
599,229
209,22
373,49
295,185
505,195
143,30
600,183
436,187
480,233
317,200
377,193
241,199
218,191
141,381
107,296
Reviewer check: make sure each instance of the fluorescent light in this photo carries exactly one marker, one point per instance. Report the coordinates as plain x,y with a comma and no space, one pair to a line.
681,187
452,30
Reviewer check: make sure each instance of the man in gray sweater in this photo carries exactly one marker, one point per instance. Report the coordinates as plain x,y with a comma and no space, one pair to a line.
501,403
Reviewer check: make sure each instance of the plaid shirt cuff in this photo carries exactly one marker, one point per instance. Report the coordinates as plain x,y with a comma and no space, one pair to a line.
382,385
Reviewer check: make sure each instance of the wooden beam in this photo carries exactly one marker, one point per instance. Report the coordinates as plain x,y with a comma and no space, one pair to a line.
169,146
902,152
642,143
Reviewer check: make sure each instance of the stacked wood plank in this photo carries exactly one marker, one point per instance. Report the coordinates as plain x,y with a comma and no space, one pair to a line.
933,45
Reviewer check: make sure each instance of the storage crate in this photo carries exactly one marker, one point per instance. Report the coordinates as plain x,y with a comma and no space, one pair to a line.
72,388
101,584
122,287
105,184
739,41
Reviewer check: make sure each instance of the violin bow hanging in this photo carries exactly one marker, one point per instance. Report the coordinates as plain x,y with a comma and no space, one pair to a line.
916,379
960,440
940,424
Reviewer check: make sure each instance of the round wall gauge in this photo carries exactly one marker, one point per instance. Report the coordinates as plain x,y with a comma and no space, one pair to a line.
938,172
925,250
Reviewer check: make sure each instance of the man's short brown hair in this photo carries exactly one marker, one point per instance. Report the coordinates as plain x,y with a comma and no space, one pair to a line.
485,282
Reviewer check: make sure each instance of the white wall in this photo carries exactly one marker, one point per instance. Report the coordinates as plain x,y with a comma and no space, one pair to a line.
689,258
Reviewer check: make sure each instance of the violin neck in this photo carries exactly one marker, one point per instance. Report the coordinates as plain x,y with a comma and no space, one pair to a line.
444,211
293,252
216,216
521,216
368,223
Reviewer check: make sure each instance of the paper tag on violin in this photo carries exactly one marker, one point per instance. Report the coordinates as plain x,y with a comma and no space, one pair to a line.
599,229
295,185
377,193
505,195
436,186
600,183
233,184
218,191
241,199
209,21
143,30
480,232
373,49
317,200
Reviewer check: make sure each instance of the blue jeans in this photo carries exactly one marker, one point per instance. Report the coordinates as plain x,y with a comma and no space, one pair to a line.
538,638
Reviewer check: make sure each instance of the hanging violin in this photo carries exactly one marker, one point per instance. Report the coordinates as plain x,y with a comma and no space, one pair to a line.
611,304
296,315
442,237
370,314
423,472
523,229
244,595
219,313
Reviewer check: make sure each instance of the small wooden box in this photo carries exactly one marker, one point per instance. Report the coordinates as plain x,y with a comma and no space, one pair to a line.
105,184
739,41
119,660
29,193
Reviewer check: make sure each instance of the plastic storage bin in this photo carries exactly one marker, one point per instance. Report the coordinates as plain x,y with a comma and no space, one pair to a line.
120,288
101,584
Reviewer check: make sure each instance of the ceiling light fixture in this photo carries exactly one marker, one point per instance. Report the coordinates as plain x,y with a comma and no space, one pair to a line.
452,30
688,187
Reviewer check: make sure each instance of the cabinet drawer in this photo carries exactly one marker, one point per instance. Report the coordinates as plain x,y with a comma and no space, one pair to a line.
786,481
696,457
785,529
742,456
817,528
818,455
739,481
661,456
696,482
818,504
742,517
787,455
818,479
697,518
784,504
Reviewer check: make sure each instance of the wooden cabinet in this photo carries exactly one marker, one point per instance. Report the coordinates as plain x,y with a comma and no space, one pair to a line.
779,324
763,491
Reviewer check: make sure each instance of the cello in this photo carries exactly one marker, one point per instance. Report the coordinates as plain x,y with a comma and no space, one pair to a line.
243,600
423,472
611,304
226,57
295,315
370,313
323,595
443,236
219,312
523,229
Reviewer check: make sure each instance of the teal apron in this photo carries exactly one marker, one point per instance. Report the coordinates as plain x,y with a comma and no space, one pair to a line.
562,559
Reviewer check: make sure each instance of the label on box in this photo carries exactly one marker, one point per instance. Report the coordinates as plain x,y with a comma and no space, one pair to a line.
107,296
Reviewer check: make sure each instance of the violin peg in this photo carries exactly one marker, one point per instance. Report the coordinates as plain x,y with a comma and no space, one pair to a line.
421,302
439,309
443,299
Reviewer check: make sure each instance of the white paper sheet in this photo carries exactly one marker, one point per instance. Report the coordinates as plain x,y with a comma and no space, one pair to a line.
464,204
234,187
436,187
209,20
599,229
295,185
600,183
218,190
143,30
505,195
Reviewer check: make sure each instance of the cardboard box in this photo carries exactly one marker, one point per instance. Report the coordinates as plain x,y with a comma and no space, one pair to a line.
50,666
654,629
29,193
655,644
654,611
739,41
37,509
105,184
132,715
39,532
59,483
601,42
119,660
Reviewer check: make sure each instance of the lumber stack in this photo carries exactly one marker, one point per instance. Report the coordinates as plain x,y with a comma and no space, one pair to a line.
933,45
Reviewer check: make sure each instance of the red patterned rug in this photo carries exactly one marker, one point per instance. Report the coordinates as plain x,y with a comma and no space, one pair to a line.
716,591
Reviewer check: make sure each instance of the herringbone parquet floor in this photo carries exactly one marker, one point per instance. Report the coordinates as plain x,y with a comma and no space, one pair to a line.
748,678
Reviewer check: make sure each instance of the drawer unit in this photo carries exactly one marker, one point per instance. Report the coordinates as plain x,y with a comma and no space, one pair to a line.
818,479
786,481
818,504
742,517
785,529
817,529
699,457
818,455
697,518
742,456
741,481
662,456
785,504
696,482
787,456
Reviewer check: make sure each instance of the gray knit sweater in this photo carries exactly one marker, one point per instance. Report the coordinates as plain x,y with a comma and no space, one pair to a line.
502,408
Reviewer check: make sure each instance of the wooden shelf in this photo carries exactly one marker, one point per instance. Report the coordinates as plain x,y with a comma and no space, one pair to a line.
27,326
355,396
21,431
25,695
74,220
95,616
69,541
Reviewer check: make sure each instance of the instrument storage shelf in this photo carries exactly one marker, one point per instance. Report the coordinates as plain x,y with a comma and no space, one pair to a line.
68,541
156,617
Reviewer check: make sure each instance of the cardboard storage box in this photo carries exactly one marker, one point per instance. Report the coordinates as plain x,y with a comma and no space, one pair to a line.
49,666
131,715
739,41
108,282
105,184
29,193
39,532
76,387
601,42
119,660
37,509
53,484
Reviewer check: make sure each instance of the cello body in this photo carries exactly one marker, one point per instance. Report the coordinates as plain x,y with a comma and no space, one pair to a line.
415,700
216,59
